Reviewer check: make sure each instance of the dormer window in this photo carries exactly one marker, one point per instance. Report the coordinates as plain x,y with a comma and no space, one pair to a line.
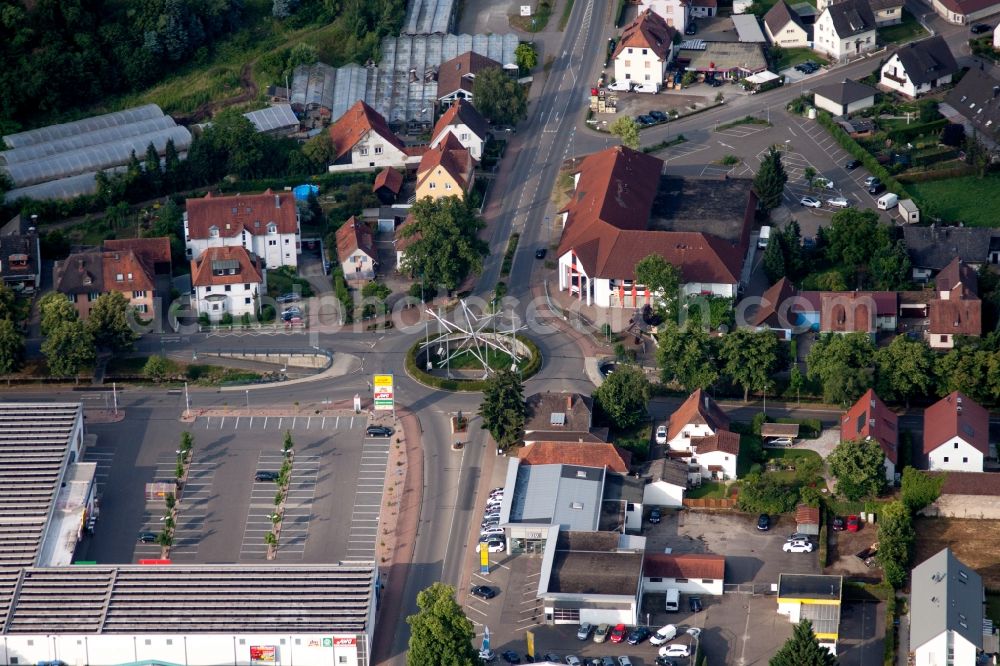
213,231
272,228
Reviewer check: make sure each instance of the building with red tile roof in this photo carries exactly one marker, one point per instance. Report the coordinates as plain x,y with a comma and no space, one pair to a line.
457,77
965,11
266,225
690,573
698,432
466,124
956,434
362,140
445,170
807,519
623,209
356,250
957,310
387,185
869,418
774,311
589,454
645,49
227,280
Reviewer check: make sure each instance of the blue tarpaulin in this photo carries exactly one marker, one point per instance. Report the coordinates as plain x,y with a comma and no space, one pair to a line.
302,191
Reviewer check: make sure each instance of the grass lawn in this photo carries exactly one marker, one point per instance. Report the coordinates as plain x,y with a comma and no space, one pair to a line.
635,440
790,455
968,199
468,361
908,30
281,282
793,56
707,490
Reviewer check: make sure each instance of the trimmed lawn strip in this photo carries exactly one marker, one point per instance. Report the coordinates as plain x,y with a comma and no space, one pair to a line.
906,31
967,199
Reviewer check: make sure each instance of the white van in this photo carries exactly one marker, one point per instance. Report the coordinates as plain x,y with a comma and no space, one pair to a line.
623,85
765,236
673,600
663,634
647,88
887,201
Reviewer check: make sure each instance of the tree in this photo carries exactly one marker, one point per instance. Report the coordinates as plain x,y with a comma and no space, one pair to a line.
810,175
172,168
440,633
686,355
108,322
803,649
661,278
319,150
623,396
858,466
445,245
155,368
967,368
626,129
774,259
67,348
977,154
151,167
762,493
895,542
769,183
795,380
904,369
749,358
855,237
55,308
526,56
920,489
503,409
11,347
842,363
891,267
501,99
7,300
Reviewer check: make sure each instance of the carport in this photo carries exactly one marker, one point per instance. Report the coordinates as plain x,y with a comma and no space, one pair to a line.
772,431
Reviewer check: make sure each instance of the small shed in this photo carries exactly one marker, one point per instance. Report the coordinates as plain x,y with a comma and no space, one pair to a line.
807,519
387,185
908,211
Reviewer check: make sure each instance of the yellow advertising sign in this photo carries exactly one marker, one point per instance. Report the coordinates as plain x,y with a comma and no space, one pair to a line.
484,558
530,638
383,393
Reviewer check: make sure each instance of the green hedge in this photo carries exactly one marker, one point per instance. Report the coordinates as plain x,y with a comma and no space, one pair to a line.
889,644
912,131
851,146
808,428
823,546
343,295
471,385
508,256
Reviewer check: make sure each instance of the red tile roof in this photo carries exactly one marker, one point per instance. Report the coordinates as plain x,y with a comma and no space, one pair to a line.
451,156
806,515
964,7
956,415
462,112
389,178
601,454
694,565
852,311
126,263
359,120
151,251
249,269
970,483
868,418
722,440
608,216
402,242
648,31
956,317
231,215
354,235
771,305
459,72
699,408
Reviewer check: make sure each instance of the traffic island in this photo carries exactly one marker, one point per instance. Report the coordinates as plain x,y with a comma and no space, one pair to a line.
465,372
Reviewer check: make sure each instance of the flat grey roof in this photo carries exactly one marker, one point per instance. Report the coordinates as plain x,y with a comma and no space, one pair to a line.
714,206
946,595
809,586
825,618
34,447
565,495
193,599
584,572
748,28
274,117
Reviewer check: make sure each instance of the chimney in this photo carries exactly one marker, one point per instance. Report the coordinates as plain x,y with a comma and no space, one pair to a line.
569,403
277,201
706,402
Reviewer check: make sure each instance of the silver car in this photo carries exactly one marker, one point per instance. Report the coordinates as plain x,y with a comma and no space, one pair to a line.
583,633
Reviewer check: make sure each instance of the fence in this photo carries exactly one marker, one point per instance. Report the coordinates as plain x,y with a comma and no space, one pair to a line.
710,503
746,588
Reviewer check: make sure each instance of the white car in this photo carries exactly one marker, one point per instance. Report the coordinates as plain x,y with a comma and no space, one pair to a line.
491,531
624,661
661,435
675,650
621,86
809,202
494,546
798,547
823,182
663,634
647,88
838,202
573,660
869,180
693,631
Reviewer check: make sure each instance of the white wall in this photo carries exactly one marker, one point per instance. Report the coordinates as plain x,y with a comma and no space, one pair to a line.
725,460
235,303
682,441
955,455
934,652
894,67
791,35
826,40
633,517
661,493
890,470
889,16
358,266
194,649
275,249
634,65
465,136
711,586
674,12
713,288
610,616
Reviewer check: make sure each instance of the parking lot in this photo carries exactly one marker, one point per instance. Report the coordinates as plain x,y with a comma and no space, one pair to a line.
223,512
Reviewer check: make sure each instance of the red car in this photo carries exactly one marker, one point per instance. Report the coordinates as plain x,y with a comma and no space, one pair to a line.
618,633
853,523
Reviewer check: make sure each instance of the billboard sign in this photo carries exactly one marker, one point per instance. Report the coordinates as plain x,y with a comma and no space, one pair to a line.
345,641
383,389
263,654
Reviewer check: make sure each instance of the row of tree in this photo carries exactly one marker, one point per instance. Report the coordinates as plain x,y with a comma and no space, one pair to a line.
71,344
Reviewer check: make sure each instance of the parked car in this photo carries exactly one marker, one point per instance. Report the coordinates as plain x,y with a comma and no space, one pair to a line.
809,202
665,661
675,650
620,86
540,253
693,631
807,67
798,547
823,183
645,120
877,188
553,657
852,165
871,180
764,522
654,516
492,546
638,635
265,476
797,536
492,530
658,116
715,83
838,524
694,603
288,298
510,657
663,634
853,523
147,537
624,661
601,633
484,592
838,202
583,633
378,431
607,661
618,633
573,660
661,434
980,28
691,29
647,88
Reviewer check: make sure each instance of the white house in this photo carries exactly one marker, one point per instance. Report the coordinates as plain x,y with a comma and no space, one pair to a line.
784,28
674,12
644,50
668,479
693,573
466,124
363,141
703,8
919,67
356,250
698,417
266,225
715,455
845,29
946,612
887,12
956,434
227,280
869,418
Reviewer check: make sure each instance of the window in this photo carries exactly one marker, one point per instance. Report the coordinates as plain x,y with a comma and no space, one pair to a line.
142,308
170,641
208,289
648,64
363,151
447,186
272,228
213,232
965,460
378,150
943,338
628,76
707,581
247,286
93,296
229,287
243,641
149,641
432,185
655,580
686,434
286,241
945,459
647,77
298,641
630,53
956,445
464,136
628,63
645,51
119,277
246,301
138,294
681,580
341,659
272,242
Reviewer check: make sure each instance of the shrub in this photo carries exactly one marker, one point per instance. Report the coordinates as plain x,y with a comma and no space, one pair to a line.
203,320
508,257
823,546
533,365
227,319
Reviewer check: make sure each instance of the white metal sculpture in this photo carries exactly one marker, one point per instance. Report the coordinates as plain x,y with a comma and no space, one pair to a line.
473,334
